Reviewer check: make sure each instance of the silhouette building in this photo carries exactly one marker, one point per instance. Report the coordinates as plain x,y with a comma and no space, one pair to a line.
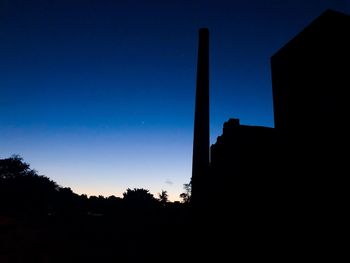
283,188
201,141
245,161
310,75
295,169
310,78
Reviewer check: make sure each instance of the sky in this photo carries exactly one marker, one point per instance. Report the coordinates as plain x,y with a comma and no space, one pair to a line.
98,95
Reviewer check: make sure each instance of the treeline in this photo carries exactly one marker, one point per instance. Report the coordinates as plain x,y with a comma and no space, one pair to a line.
23,192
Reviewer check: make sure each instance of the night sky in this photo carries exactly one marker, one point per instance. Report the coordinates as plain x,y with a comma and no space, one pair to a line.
99,95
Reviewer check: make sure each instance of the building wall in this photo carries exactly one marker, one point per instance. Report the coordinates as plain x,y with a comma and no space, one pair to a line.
310,78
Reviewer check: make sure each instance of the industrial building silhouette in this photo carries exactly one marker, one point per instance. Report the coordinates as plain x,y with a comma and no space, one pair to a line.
201,140
288,180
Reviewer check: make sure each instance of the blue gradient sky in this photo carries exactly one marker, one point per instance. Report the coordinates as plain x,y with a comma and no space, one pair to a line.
99,95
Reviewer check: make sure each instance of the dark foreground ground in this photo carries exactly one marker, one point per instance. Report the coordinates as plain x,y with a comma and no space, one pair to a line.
166,236
132,237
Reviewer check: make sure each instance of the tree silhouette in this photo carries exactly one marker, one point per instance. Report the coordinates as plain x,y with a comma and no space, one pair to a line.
186,196
22,190
163,197
14,167
139,197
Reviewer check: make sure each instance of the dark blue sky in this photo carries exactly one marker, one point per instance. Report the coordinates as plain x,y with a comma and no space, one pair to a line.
99,95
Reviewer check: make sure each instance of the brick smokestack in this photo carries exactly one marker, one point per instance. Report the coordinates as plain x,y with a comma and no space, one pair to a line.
201,141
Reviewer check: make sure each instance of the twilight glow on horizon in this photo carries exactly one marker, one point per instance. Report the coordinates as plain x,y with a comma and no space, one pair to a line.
99,95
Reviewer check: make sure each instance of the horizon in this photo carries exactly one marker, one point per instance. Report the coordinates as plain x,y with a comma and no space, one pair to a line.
137,130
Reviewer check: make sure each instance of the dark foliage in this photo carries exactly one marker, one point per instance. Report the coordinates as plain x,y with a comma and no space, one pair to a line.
23,192
186,196
37,217
139,197
163,197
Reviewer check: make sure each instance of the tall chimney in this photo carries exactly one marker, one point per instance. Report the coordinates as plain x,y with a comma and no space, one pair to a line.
201,142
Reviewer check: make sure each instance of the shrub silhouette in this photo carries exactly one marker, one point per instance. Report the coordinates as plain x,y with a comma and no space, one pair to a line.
139,197
22,190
